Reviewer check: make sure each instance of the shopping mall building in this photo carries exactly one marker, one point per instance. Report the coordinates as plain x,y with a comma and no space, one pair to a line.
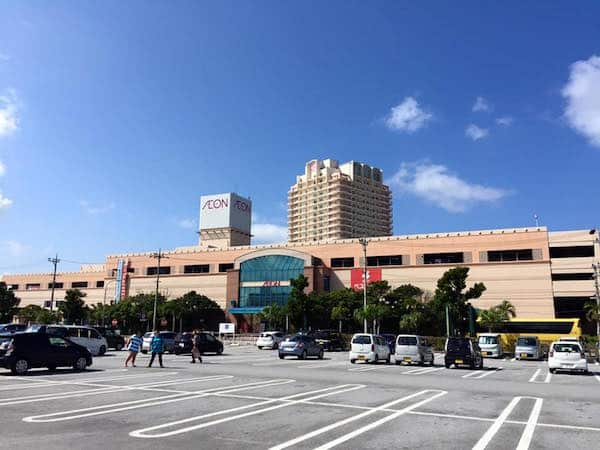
543,274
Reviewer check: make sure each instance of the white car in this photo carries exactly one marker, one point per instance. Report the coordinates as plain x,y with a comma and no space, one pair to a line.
369,348
88,337
491,345
565,355
269,339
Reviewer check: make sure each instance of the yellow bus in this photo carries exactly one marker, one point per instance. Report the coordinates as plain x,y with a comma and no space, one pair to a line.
547,330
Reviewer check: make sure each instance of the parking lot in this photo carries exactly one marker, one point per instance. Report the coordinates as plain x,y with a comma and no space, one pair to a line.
248,398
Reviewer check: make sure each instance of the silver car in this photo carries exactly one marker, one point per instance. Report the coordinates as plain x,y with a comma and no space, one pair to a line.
301,346
411,348
528,347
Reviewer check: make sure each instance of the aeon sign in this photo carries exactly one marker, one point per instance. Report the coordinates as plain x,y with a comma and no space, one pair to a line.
225,211
217,203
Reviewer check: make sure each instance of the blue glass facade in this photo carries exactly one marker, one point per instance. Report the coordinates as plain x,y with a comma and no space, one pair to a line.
268,268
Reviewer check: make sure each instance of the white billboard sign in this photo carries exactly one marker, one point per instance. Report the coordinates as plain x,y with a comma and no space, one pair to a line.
226,328
225,211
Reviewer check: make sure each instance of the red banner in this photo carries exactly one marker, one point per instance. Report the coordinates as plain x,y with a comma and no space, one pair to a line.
356,277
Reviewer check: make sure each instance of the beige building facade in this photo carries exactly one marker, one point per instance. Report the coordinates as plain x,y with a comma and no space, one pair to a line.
544,274
338,201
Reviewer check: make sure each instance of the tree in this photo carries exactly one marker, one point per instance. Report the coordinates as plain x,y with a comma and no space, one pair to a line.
73,308
592,312
29,313
46,317
274,315
372,313
340,313
494,317
450,295
508,309
8,303
199,311
298,305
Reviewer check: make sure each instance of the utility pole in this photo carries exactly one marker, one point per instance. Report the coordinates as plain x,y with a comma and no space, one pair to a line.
364,242
596,268
54,261
158,256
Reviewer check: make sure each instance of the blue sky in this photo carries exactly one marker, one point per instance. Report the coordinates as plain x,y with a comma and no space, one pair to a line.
116,116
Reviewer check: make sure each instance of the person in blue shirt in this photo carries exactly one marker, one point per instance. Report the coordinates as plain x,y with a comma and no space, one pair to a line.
135,345
157,347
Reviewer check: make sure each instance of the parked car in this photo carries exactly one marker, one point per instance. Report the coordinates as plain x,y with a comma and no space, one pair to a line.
369,348
183,343
411,348
390,340
491,345
568,356
528,347
300,345
463,351
330,340
113,338
208,343
29,350
269,339
168,341
85,336
12,328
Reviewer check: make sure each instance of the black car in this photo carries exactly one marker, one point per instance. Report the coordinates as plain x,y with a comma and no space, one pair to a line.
208,343
12,328
330,340
29,350
113,338
463,351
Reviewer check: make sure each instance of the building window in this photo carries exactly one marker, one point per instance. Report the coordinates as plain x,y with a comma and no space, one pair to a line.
327,283
568,307
342,262
197,268
100,284
443,258
388,260
130,270
32,286
510,255
224,267
572,276
578,251
79,284
166,270
56,285
13,287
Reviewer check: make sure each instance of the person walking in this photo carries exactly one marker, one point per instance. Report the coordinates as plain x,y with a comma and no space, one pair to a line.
196,347
134,346
157,347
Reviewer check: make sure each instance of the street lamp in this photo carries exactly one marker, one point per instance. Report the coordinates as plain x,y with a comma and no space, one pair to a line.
364,242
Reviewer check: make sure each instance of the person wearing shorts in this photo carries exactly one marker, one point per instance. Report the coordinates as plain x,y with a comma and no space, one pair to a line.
135,345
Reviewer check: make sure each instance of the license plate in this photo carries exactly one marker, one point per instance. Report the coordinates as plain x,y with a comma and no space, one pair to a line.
361,357
182,345
485,353
458,361
523,355
407,359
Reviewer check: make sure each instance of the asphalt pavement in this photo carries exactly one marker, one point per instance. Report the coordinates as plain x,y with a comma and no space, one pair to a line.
250,399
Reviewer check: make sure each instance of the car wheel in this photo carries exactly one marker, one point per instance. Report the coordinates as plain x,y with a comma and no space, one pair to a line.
321,354
472,365
352,361
259,347
80,364
119,347
398,363
281,356
375,359
552,370
432,361
275,346
220,351
20,367
51,368
303,355
102,350
447,365
388,359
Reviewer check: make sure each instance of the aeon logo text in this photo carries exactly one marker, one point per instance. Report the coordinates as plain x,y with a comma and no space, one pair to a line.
216,203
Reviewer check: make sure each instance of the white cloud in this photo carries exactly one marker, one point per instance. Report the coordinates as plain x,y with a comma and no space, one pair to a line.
435,184
2,168
4,202
14,248
9,122
481,105
96,209
4,57
268,233
474,132
504,121
582,93
408,116
188,224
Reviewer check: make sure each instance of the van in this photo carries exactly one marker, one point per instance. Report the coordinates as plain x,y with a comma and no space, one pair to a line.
369,348
463,351
528,347
411,348
491,345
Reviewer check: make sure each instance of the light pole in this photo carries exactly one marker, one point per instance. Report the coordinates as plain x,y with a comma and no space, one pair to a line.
596,268
364,242
54,261
104,300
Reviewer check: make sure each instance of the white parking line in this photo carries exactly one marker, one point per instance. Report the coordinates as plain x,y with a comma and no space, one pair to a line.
346,421
533,378
322,364
598,378
422,371
476,375
144,403
332,390
375,424
502,418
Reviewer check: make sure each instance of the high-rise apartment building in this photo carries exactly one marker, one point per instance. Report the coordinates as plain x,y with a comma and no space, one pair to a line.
338,201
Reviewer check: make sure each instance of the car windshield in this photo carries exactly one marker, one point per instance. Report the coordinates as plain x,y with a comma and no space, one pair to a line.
266,335
527,342
407,340
458,345
33,329
295,338
488,340
567,347
361,339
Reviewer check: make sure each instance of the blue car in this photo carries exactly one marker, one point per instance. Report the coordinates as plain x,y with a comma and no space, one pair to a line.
301,346
390,340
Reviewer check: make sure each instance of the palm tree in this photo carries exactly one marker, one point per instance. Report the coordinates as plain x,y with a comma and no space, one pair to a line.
592,312
492,318
372,313
508,309
340,313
